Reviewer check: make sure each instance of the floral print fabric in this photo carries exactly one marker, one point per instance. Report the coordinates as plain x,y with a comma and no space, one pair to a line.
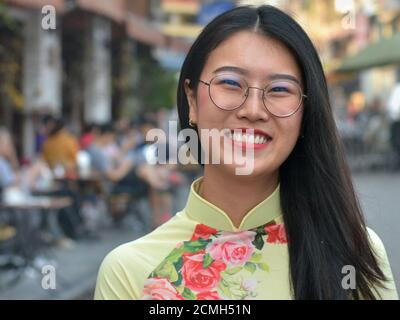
214,265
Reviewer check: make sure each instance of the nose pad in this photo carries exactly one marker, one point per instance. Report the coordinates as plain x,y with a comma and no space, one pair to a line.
247,94
254,109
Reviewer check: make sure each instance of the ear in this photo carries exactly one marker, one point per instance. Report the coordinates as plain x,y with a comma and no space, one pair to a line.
191,98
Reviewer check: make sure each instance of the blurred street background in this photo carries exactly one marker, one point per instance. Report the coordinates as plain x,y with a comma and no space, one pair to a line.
82,82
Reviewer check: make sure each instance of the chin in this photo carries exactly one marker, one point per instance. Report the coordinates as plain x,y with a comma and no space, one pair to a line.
258,169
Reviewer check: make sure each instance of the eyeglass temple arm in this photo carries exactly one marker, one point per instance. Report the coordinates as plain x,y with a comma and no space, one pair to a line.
206,83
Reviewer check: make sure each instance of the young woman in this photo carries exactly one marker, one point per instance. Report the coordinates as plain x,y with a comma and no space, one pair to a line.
293,228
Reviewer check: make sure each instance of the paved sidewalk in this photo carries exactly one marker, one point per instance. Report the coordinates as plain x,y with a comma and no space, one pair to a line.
76,269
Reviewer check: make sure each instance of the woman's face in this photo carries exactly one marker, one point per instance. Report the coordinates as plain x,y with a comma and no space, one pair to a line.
257,59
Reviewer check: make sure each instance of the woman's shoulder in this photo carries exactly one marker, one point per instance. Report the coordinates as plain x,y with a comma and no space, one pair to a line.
125,269
375,241
378,247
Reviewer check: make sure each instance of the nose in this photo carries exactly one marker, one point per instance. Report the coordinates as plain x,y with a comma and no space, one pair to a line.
253,107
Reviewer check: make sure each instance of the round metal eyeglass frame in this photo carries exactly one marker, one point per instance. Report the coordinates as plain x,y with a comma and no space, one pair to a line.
302,96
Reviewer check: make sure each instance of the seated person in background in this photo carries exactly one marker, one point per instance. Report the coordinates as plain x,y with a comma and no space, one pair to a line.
88,136
131,175
7,149
127,163
8,160
61,147
59,152
7,175
150,153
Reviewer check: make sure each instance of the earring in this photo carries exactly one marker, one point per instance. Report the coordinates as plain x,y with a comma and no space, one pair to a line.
191,123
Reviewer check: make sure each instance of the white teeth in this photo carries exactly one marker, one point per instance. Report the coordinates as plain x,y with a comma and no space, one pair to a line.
237,136
248,138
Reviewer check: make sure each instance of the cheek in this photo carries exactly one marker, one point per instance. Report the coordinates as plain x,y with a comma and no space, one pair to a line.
288,133
208,114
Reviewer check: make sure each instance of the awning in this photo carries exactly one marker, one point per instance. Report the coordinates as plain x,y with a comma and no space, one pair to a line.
38,4
190,7
382,53
113,9
144,31
182,30
137,27
140,29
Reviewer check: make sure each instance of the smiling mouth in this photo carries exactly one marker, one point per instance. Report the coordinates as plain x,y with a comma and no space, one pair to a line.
257,139
241,136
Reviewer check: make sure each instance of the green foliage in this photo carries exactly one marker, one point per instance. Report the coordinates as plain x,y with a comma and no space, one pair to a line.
11,46
157,87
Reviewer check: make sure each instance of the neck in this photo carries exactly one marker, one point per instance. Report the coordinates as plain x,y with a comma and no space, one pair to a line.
236,195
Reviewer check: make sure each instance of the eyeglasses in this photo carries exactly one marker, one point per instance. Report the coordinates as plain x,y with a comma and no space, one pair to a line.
282,98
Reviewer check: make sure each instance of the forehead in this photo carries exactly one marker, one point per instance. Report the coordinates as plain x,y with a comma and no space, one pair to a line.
258,54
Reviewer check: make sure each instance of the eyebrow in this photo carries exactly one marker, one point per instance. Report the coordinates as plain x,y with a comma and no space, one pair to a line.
272,76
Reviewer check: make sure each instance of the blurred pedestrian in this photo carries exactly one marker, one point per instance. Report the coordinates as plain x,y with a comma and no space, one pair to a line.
393,108
60,148
89,134
8,160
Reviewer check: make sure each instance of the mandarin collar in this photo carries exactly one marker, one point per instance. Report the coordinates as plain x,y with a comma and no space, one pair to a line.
204,212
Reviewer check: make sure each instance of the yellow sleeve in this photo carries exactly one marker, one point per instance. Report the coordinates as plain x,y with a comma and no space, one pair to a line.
73,149
390,292
113,281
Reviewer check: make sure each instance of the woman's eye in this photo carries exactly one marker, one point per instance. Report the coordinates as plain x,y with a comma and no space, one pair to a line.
279,89
231,82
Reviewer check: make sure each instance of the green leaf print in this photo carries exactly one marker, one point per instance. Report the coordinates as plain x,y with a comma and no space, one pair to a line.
188,294
179,281
251,267
261,230
232,271
258,242
167,270
224,290
256,257
175,254
207,260
178,264
263,266
194,246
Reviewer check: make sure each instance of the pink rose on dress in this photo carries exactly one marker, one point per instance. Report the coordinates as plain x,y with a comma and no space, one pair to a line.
234,248
198,278
276,233
208,295
160,289
202,231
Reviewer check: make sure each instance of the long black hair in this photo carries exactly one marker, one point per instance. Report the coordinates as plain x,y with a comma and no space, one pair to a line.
323,219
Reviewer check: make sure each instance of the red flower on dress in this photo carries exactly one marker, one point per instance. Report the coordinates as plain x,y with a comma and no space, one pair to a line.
276,233
196,277
202,231
160,289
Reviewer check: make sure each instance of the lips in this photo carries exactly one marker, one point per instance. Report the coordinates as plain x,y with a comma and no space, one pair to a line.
249,137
